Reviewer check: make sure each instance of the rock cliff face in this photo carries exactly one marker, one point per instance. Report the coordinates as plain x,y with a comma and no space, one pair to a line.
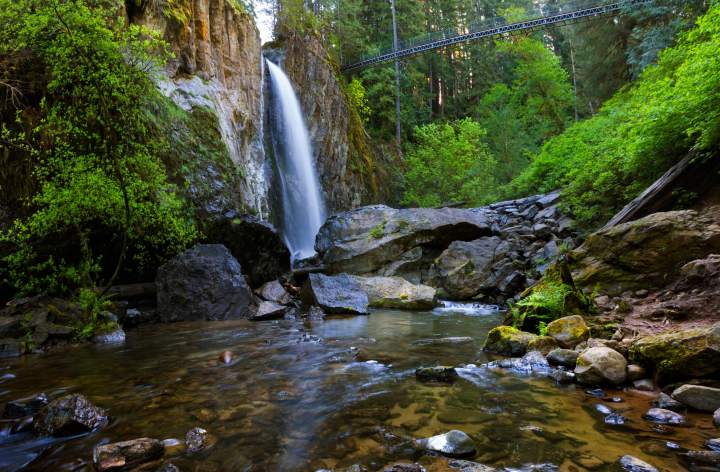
216,70
352,172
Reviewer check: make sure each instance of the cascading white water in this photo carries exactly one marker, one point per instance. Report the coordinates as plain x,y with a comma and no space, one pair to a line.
303,211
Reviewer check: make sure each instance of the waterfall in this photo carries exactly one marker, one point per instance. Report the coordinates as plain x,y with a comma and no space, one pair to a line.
302,211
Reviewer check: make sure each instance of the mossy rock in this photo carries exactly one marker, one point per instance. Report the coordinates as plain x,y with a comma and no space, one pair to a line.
569,331
508,341
678,355
543,344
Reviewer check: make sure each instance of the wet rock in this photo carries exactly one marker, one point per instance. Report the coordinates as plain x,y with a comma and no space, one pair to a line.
404,468
716,417
508,341
436,374
693,353
598,365
126,454
562,376
660,416
615,419
702,460
70,415
644,385
713,444
203,283
268,311
667,402
168,468
453,444
339,294
10,348
633,464
569,331
116,336
444,341
396,292
543,344
25,406
468,466
254,243
635,372
563,357
698,397
196,440
316,313
273,291
226,357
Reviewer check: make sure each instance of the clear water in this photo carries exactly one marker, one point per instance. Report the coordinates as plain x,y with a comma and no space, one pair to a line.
302,396
303,211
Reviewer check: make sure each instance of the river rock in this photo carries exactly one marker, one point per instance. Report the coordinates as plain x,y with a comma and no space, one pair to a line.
660,416
633,464
452,444
203,283
667,402
273,291
680,354
196,440
268,311
115,336
698,397
436,374
543,344
468,466
70,415
569,331
126,454
468,268
168,467
563,357
339,294
367,239
396,292
644,385
24,406
702,460
635,372
254,243
598,365
713,444
508,341
716,417
404,467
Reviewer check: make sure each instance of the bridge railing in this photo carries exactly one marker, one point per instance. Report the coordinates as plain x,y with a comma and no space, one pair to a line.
495,26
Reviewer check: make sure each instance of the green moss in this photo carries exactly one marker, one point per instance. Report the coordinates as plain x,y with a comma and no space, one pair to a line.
378,231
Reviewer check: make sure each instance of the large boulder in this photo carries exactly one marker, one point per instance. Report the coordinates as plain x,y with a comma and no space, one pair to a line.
339,294
569,331
698,397
601,365
468,268
256,244
368,239
677,355
508,341
70,415
203,283
396,292
644,254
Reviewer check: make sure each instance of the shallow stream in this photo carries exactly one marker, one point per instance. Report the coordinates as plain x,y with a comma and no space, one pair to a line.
302,396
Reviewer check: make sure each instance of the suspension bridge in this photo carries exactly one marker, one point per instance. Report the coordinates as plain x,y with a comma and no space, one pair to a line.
570,12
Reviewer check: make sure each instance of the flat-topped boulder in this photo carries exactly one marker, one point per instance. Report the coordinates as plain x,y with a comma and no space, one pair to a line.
396,292
370,238
508,341
338,294
698,396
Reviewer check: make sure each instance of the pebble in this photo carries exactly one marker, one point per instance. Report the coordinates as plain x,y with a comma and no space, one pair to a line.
226,357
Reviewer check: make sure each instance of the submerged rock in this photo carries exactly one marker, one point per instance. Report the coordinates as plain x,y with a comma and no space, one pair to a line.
698,397
340,294
683,354
70,415
661,416
24,406
569,331
508,341
436,374
203,283
599,365
126,455
633,464
453,444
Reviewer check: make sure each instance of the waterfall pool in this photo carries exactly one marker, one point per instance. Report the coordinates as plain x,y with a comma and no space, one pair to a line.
308,395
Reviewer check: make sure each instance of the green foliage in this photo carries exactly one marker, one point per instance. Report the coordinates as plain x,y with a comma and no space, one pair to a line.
93,305
378,231
449,163
607,160
357,99
102,187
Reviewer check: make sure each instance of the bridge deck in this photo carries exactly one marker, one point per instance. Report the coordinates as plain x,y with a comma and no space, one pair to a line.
485,32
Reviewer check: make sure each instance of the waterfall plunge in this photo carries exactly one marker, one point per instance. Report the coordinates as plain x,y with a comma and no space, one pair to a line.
303,211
